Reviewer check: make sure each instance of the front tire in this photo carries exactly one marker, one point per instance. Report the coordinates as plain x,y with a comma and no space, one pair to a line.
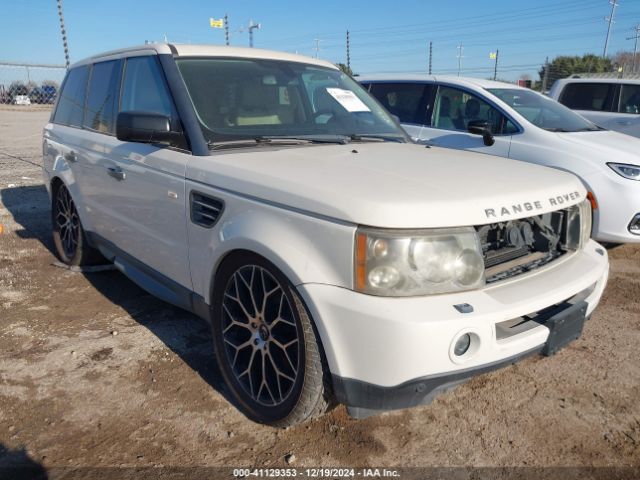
267,348
69,236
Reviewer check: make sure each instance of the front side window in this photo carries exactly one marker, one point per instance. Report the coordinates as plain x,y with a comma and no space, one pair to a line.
255,98
102,97
144,88
630,99
456,109
407,101
597,97
543,112
71,103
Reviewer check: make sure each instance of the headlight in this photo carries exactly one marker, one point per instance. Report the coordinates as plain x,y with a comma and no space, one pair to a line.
578,225
404,263
632,172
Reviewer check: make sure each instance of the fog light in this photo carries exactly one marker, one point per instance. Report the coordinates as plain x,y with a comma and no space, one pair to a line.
462,345
634,226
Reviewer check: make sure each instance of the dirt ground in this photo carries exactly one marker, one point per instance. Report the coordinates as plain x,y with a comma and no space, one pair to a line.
96,372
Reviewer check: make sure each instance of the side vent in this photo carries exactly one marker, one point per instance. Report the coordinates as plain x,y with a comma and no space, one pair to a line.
205,210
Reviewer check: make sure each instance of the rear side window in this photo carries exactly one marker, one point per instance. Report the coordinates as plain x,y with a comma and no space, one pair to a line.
408,101
71,103
630,99
102,97
597,97
144,88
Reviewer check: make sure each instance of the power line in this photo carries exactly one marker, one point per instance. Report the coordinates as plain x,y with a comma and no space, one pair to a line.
635,47
348,52
609,19
459,56
63,32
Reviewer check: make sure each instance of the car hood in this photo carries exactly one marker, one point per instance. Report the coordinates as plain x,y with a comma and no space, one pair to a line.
390,185
604,146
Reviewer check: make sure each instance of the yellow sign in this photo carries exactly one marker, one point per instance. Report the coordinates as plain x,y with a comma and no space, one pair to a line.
493,55
216,23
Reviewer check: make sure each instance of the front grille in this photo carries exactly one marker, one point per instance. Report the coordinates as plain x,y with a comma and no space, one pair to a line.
519,246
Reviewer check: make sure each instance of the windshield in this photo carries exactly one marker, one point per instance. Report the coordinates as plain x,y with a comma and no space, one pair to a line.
250,98
542,111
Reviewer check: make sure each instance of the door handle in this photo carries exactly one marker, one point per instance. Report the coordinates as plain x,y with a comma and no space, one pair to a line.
116,172
71,156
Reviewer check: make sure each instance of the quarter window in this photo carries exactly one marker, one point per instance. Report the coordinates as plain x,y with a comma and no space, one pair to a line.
144,88
630,99
598,97
71,103
102,97
407,101
456,109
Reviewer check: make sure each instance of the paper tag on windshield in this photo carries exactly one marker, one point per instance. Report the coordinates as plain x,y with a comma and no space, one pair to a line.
348,100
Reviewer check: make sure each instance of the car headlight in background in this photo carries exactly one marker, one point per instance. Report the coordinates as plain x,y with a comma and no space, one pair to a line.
579,218
418,262
632,172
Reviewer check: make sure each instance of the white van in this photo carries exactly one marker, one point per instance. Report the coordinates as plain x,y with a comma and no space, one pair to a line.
613,104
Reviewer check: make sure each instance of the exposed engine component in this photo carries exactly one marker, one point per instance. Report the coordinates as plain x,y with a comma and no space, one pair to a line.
505,244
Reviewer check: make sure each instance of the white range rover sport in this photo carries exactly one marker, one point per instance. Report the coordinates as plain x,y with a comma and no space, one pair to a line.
336,261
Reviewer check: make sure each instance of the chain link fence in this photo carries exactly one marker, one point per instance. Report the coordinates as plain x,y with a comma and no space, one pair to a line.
29,84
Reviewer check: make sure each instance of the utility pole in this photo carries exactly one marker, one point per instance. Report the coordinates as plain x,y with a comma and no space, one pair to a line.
635,47
64,33
545,78
348,52
226,29
614,4
317,40
252,27
430,56
495,67
459,56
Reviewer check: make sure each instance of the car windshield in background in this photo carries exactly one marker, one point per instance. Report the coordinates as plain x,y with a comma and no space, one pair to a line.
543,112
238,99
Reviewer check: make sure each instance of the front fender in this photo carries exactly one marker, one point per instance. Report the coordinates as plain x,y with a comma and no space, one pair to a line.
305,248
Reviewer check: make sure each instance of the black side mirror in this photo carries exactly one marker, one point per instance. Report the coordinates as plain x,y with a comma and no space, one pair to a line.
145,127
482,127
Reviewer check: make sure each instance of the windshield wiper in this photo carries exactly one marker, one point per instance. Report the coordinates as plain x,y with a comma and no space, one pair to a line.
276,140
252,142
595,128
354,137
557,130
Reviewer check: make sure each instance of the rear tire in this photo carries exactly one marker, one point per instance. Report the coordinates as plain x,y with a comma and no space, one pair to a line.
69,236
267,348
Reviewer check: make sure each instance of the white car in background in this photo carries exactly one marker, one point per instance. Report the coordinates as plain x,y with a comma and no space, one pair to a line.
509,121
612,103
22,100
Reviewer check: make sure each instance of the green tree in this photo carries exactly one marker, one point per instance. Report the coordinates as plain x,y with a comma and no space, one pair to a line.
565,66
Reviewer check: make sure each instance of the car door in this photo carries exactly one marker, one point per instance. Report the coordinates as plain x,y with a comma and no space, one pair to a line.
453,110
141,188
63,137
